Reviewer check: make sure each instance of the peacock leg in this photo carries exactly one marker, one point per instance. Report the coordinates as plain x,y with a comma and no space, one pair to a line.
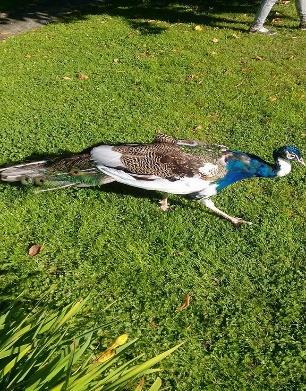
164,206
237,221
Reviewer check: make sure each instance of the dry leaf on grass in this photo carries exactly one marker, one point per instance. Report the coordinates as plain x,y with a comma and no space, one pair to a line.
140,385
198,127
192,77
198,28
153,325
67,78
186,303
273,98
105,356
82,76
215,40
258,58
115,60
34,250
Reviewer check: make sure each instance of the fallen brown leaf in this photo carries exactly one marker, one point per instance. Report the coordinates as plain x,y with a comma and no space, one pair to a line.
34,250
106,355
258,58
153,325
115,60
198,127
140,385
273,98
191,77
213,116
67,78
82,76
246,70
186,303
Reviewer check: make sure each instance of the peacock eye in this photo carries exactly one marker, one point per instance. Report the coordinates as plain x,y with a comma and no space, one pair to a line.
75,172
39,181
25,180
291,156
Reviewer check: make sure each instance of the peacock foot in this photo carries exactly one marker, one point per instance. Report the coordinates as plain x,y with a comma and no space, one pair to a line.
238,222
164,206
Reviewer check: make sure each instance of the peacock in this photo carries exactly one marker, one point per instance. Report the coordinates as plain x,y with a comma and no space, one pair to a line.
168,165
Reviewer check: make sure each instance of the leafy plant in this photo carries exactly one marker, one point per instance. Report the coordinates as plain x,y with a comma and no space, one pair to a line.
36,353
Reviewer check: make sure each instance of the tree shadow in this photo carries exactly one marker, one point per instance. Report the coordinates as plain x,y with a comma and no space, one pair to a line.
143,15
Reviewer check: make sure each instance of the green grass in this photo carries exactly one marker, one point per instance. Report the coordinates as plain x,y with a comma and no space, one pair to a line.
244,327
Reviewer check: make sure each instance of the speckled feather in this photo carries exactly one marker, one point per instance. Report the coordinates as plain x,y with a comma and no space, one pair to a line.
171,159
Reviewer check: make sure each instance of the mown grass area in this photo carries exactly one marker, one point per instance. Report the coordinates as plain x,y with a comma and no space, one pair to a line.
244,326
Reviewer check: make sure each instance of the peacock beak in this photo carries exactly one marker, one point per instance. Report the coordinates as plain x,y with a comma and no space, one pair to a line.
301,160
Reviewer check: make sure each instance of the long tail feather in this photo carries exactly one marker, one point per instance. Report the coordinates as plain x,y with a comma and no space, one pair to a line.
73,171
21,171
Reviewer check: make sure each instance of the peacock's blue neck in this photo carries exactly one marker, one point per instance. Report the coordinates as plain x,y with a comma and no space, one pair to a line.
242,166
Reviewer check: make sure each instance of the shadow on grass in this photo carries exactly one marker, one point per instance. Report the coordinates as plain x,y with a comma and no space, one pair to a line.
142,15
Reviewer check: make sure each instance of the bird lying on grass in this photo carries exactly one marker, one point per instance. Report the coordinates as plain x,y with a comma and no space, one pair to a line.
167,165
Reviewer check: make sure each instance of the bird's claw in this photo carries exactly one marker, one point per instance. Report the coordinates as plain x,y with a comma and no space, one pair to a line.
164,206
238,222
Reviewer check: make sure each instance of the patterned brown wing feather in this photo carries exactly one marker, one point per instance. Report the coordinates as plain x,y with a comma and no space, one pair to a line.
76,162
165,160
164,138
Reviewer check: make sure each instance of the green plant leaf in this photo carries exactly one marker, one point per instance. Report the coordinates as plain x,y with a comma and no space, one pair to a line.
37,355
15,337
139,369
12,363
156,385
12,351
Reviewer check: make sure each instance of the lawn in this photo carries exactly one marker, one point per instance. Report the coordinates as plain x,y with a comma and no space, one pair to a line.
149,70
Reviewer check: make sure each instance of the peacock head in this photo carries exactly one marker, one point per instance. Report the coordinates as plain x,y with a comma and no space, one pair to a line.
289,153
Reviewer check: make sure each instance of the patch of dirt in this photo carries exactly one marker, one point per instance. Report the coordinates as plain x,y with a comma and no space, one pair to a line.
37,13
10,26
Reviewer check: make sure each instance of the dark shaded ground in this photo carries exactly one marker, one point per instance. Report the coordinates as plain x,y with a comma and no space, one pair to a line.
17,16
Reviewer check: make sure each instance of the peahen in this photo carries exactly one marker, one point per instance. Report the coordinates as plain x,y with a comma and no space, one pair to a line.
167,165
